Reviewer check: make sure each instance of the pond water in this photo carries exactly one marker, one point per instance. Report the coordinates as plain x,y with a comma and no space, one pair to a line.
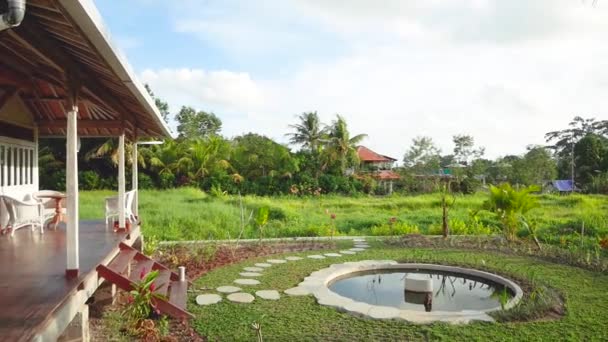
451,291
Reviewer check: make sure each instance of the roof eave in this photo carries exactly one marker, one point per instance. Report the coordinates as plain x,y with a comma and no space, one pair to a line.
87,17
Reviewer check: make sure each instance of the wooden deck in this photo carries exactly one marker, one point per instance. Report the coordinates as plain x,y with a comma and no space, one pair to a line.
33,286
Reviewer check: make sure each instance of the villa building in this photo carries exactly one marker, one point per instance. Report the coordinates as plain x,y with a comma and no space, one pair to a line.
379,166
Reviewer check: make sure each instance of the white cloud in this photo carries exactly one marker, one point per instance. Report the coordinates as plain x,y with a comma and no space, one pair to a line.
226,90
505,72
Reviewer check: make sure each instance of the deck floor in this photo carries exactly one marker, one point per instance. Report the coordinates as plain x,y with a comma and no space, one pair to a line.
32,274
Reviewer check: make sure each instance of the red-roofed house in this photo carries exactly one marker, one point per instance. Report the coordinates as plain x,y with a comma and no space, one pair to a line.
380,167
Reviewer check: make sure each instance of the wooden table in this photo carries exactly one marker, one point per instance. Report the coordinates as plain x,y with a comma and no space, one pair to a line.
58,209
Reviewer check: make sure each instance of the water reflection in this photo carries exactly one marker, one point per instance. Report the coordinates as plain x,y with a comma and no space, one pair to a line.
451,292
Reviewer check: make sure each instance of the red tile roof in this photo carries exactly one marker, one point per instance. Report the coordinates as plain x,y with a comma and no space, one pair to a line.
367,155
386,175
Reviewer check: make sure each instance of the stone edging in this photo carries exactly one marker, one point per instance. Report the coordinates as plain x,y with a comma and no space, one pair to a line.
316,284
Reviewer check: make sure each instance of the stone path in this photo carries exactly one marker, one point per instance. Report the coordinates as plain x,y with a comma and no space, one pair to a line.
316,256
208,299
241,297
268,294
228,289
250,274
234,294
247,282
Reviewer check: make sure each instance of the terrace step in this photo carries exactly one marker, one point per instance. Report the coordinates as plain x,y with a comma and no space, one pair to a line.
167,282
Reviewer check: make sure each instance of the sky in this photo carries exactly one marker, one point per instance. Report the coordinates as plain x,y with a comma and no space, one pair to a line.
505,72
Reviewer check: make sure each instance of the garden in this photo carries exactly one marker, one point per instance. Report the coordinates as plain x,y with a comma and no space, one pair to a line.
554,247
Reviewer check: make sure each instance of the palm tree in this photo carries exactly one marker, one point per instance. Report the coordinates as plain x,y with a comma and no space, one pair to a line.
340,146
308,133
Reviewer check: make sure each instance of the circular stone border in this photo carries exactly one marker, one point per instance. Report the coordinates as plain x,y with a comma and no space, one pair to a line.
317,283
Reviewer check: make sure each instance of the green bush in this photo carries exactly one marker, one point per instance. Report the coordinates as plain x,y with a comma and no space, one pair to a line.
397,228
88,180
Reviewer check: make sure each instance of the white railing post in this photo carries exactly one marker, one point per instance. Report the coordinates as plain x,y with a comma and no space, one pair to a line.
121,182
134,181
72,193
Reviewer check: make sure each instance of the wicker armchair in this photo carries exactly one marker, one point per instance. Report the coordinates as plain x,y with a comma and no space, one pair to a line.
21,214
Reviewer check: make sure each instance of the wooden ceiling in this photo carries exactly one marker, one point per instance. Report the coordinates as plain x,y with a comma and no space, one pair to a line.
39,57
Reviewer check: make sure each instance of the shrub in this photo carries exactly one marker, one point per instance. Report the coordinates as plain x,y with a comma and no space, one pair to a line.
88,180
166,180
144,181
397,228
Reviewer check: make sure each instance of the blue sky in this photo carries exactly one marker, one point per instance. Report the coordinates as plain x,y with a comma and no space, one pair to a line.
505,72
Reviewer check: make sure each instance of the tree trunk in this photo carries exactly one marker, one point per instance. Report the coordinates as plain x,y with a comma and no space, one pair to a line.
444,223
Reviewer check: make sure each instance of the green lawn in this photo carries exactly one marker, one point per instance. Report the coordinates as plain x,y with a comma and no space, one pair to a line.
301,319
189,214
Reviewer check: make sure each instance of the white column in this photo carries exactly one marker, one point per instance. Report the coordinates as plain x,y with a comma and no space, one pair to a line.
72,192
36,179
134,181
121,182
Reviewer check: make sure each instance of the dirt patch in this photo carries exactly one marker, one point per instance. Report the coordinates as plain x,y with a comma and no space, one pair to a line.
198,260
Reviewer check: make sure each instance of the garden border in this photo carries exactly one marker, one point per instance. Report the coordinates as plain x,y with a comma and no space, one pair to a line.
316,284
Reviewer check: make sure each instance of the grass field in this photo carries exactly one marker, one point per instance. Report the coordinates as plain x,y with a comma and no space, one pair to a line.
189,214
300,318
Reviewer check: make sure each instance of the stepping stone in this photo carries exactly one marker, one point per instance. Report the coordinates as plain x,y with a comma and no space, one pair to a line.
361,246
316,256
247,282
253,269
297,291
276,261
208,299
250,274
357,249
347,252
293,258
263,264
228,289
359,240
268,294
333,254
241,297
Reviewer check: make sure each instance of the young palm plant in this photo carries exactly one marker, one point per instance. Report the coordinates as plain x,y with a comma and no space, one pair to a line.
511,206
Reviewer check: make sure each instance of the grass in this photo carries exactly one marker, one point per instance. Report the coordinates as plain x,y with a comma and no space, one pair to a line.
189,214
301,319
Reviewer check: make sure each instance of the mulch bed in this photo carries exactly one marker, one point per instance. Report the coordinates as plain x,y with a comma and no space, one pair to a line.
198,260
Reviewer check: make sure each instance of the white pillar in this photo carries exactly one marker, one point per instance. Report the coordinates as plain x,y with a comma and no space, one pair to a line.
134,181
36,180
121,182
71,183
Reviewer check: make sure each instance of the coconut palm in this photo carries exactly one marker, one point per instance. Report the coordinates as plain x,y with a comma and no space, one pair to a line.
309,132
341,147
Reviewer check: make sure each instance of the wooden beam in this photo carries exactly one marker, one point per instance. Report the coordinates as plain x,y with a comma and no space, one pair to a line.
85,124
8,93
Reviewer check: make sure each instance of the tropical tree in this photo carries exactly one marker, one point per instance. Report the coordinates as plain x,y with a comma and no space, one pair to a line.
511,206
591,157
341,148
308,133
192,124
423,155
536,166
464,148
163,107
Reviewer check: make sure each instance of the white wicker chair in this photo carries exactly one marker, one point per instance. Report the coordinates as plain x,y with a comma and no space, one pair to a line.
49,205
112,209
22,214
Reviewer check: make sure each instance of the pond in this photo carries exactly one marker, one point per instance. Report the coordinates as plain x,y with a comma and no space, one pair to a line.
450,291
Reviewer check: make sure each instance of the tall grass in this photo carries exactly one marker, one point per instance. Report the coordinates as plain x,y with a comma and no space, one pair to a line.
189,214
